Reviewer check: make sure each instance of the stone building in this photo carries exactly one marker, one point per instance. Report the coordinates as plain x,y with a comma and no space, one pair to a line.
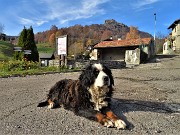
116,49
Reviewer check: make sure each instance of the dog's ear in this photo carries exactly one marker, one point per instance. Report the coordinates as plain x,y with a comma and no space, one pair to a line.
109,73
87,77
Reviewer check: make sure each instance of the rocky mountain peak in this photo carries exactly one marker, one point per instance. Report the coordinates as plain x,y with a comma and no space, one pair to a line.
113,22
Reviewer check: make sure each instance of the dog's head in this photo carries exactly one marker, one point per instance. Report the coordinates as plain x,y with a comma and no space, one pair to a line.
98,80
96,74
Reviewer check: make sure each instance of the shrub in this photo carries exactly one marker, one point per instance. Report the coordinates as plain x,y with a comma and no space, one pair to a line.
18,65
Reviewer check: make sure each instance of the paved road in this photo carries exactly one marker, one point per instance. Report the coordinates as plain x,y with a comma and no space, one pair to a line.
147,97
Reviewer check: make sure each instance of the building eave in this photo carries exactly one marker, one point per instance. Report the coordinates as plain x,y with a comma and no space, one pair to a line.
123,43
174,23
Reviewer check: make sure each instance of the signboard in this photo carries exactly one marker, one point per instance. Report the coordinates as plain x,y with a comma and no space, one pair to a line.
18,49
62,45
27,51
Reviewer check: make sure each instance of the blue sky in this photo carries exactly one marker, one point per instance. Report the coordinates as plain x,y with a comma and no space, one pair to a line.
42,14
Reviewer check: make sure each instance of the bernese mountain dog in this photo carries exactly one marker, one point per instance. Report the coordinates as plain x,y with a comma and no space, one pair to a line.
89,96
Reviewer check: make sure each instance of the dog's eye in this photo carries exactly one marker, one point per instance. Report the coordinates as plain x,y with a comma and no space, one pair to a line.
96,72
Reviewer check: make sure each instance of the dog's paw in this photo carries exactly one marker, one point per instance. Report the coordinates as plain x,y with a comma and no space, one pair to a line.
120,124
107,123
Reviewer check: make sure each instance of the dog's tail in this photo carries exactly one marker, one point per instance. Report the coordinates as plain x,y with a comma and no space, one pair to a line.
42,104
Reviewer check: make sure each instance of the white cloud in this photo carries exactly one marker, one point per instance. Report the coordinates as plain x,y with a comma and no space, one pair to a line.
26,21
86,9
141,3
144,8
39,22
61,11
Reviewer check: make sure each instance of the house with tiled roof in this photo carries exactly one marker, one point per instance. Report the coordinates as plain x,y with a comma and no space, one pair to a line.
116,49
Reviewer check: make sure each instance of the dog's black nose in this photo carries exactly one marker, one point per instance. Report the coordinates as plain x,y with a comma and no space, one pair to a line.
106,78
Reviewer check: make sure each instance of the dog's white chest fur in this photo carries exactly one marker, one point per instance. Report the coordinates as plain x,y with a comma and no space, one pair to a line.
98,95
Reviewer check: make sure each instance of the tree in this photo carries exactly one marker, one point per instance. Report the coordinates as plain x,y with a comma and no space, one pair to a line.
52,40
133,33
106,35
58,33
22,38
160,39
52,30
31,45
27,42
21,43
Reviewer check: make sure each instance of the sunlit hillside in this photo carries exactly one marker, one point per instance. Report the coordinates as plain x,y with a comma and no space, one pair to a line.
6,50
44,48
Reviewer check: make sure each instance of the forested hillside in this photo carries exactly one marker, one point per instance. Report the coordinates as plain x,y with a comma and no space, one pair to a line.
82,36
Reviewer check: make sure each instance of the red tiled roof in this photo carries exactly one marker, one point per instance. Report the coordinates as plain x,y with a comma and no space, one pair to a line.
123,43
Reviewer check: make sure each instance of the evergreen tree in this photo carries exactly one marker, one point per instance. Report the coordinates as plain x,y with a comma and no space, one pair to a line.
21,43
27,42
31,45
22,38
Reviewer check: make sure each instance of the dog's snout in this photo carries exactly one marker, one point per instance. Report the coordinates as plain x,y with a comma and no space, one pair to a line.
106,78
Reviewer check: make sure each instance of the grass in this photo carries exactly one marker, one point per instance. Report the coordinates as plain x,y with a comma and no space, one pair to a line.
10,67
45,48
28,72
6,51
39,71
23,68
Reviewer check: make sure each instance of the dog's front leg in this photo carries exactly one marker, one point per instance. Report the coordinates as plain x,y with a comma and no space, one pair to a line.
96,116
118,123
101,118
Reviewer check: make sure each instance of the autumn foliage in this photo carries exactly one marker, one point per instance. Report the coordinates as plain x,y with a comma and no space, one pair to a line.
80,37
133,33
52,40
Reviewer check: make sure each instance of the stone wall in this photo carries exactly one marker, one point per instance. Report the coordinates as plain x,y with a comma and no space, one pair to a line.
54,63
83,63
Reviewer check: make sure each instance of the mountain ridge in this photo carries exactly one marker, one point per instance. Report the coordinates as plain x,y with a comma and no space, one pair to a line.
80,37
118,30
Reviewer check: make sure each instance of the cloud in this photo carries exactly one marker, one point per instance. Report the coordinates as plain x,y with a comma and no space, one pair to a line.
26,21
86,9
81,10
144,8
60,11
141,3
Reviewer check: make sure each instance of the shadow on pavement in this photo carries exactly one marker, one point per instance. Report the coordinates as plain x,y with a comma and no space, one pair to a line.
120,106
165,56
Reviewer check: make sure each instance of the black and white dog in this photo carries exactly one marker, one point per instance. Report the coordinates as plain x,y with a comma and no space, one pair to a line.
89,96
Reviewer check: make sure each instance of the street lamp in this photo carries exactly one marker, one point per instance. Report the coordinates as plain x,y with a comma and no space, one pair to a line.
155,31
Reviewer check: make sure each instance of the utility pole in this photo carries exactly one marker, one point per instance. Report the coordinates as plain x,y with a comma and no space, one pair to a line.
155,32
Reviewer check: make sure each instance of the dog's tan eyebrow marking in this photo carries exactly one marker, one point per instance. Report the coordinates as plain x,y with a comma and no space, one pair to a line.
98,66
